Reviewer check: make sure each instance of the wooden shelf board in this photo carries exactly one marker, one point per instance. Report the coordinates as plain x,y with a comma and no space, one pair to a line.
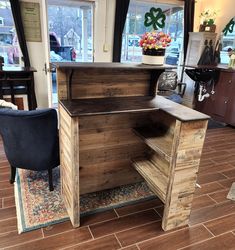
157,140
156,180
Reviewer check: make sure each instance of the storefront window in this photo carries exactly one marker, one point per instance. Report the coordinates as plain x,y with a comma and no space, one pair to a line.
9,47
134,28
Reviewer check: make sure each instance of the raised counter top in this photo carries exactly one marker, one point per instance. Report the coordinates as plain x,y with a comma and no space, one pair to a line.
221,67
114,105
75,65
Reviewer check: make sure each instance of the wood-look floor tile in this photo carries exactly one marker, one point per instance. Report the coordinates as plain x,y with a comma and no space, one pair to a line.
98,217
145,232
57,228
211,212
177,239
140,206
87,220
9,202
129,248
205,163
109,242
13,238
207,178
222,225
7,213
8,225
1,202
220,196
232,163
227,183
7,192
202,201
5,170
4,176
223,158
229,173
5,184
55,242
210,155
123,223
208,188
4,163
222,242
216,168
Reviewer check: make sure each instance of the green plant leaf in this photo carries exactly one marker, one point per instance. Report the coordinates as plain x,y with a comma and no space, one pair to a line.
229,27
155,17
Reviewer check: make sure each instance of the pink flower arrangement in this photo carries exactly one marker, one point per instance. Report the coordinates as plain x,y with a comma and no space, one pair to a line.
155,40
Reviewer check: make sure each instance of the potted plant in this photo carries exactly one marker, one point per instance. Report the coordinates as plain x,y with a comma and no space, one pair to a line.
153,46
208,21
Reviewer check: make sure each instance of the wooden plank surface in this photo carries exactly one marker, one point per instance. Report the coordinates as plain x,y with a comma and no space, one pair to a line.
69,165
187,144
134,66
102,106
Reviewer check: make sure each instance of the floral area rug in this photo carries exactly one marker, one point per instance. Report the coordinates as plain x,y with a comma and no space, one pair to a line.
37,207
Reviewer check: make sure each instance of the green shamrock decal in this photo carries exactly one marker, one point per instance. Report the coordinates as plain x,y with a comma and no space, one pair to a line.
229,27
155,17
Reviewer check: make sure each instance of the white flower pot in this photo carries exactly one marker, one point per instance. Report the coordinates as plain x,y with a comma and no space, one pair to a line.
153,60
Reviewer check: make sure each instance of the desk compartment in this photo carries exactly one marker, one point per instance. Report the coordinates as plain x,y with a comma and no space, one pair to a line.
107,146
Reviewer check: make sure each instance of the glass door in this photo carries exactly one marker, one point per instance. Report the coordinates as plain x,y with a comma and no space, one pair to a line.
70,26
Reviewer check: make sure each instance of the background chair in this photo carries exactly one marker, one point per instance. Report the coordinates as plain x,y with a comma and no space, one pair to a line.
30,140
169,86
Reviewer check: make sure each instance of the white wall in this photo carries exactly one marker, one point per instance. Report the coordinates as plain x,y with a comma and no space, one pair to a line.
104,30
226,12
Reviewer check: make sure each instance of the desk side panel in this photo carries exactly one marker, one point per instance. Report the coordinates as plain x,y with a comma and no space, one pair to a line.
187,147
62,79
69,164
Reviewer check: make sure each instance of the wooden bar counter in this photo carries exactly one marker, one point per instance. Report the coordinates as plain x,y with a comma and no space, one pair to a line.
115,130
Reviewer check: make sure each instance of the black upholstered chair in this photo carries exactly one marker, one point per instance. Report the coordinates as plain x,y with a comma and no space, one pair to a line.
169,87
30,140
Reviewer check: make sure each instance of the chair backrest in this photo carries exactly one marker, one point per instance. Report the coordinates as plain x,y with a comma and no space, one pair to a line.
167,81
30,138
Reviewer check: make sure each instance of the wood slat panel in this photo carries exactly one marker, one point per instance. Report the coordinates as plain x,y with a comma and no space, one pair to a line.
69,158
107,139
155,179
89,83
99,123
107,175
182,180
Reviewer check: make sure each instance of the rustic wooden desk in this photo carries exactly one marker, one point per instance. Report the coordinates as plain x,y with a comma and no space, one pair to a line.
114,130
18,80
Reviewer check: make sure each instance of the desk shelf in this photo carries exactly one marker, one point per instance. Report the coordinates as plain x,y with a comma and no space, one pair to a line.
157,139
155,179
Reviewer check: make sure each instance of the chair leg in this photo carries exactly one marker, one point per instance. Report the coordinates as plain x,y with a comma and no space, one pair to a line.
13,174
51,188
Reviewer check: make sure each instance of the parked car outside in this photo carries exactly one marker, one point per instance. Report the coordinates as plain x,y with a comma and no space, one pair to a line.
172,55
68,53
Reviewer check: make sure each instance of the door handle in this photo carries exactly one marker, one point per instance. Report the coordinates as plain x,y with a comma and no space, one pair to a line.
46,69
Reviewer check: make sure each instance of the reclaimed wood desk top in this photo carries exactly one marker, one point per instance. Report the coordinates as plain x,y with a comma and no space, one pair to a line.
117,105
97,65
